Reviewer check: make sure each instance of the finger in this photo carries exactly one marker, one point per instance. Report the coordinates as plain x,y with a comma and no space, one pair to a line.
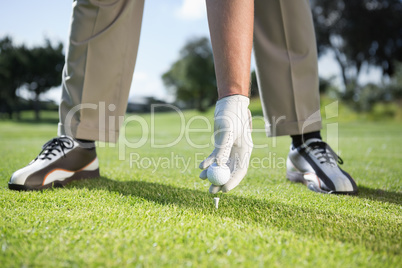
208,161
237,177
203,174
223,136
231,164
214,189
223,147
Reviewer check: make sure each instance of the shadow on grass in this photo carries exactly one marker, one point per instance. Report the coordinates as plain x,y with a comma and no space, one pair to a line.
312,221
380,195
377,195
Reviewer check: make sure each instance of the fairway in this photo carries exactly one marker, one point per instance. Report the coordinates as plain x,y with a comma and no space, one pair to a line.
150,209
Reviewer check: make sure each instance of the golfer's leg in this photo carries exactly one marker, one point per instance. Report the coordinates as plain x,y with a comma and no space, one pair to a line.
99,66
287,71
231,29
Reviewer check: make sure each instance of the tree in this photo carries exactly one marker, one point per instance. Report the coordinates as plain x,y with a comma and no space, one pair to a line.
12,71
192,77
38,69
43,68
365,32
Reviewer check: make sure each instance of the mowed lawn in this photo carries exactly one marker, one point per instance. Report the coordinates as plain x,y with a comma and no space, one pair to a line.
150,209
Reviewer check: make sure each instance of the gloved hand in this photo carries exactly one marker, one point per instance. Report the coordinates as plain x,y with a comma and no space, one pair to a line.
233,143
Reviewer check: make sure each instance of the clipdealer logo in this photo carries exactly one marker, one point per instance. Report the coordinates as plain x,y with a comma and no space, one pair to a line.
189,130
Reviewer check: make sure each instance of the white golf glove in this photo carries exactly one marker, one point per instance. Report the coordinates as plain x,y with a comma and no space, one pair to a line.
233,143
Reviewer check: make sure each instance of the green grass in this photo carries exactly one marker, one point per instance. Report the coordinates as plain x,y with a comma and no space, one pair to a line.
164,217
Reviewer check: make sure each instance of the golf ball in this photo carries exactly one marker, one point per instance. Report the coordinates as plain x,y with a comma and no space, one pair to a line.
218,175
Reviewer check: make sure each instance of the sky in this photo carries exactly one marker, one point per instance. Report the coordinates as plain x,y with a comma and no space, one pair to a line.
166,27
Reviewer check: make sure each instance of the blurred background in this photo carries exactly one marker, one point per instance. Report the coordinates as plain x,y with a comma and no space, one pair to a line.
359,45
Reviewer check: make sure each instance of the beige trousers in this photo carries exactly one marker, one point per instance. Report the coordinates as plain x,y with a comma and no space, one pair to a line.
287,66
100,60
103,48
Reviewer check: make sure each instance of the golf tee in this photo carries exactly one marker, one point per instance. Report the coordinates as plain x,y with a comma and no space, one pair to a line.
216,202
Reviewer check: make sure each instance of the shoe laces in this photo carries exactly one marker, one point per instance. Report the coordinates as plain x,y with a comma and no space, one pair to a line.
59,144
323,153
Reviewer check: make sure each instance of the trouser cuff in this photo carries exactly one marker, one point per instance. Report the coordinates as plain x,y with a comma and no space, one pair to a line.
80,131
293,128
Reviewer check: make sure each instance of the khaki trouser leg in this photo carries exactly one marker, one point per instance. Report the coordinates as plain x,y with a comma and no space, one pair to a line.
287,71
100,61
